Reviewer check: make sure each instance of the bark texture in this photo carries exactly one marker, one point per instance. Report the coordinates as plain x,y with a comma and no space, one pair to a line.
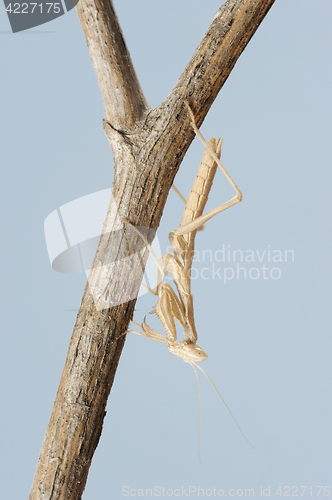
148,147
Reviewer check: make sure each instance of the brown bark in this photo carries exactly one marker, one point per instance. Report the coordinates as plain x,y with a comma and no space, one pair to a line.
148,146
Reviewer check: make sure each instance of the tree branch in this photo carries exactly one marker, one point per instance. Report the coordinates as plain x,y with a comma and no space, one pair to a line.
213,60
123,98
148,147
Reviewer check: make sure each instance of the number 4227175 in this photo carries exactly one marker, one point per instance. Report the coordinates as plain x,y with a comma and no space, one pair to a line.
31,8
300,491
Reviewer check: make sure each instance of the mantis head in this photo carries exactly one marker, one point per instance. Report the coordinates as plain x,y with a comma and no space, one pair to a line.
188,351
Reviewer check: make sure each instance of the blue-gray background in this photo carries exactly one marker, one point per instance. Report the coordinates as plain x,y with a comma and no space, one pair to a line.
268,340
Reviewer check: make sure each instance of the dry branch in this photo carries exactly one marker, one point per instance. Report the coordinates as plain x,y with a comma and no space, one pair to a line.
148,147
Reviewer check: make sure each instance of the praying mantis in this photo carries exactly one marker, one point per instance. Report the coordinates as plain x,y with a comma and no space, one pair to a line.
170,306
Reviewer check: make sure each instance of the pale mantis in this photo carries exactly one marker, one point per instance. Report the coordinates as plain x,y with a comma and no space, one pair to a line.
169,306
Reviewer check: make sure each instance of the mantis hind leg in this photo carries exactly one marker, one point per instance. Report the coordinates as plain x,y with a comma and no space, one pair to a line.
198,223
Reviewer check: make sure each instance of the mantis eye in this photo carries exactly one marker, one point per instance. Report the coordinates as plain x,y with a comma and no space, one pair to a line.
198,353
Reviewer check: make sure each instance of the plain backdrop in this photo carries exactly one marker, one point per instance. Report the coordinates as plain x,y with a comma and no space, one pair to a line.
268,339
